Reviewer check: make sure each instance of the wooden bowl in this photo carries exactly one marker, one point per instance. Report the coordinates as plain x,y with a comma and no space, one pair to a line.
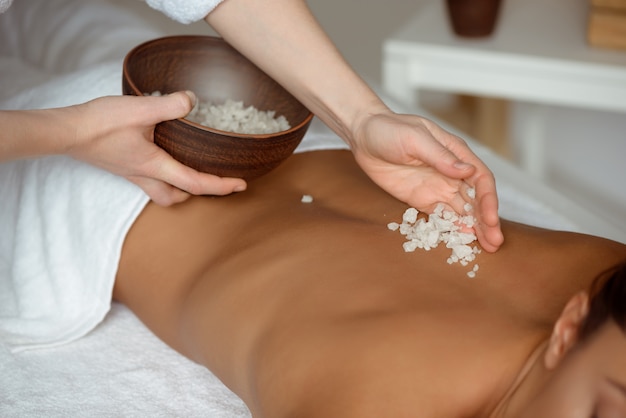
215,72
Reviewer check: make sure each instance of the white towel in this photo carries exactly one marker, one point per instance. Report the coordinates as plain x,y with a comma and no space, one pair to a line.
119,370
62,226
62,222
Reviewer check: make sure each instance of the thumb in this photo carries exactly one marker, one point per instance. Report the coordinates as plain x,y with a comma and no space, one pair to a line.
446,162
174,106
442,153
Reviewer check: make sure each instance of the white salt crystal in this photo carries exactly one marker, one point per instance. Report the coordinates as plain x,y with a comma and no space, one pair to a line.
410,215
440,226
233,116
393,226
405,229
409,246
307,198
438,209
463,252
468,220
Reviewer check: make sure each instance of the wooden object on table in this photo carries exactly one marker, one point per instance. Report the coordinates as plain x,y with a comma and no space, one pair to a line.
607,24
473,18
611,4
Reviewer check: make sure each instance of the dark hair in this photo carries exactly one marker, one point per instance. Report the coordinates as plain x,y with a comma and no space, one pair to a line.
608,301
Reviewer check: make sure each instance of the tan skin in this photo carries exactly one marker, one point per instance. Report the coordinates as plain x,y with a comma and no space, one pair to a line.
315,310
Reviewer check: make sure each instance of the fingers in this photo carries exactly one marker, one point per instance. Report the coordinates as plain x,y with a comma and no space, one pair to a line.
442,166
481,202
160,192
169,181
488,204
459,204
489,236
195,182
445,161
180,176
120,139
443,155
165,194
163,178
467,201
482,181
488,230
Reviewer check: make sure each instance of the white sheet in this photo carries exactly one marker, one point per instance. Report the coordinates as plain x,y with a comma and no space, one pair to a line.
120,368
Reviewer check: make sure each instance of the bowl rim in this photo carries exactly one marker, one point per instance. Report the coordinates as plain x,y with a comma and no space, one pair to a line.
196,125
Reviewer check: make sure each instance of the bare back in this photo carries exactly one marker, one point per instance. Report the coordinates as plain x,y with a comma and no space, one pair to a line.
315,306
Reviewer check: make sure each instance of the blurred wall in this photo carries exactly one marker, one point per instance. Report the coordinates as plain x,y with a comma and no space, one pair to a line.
359,27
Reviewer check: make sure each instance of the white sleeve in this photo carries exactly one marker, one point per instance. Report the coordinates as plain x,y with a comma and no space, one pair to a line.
184,11
4,5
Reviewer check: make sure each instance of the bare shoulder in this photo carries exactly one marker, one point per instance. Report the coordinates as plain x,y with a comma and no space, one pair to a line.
545,268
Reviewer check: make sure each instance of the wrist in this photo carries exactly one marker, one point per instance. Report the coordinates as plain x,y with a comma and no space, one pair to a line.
68,122
362,117
34,133
348,109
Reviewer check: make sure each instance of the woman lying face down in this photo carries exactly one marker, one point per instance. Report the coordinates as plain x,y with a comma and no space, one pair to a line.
587,351
315,310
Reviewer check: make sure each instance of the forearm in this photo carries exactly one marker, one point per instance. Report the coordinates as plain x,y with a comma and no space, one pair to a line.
34,133
283,38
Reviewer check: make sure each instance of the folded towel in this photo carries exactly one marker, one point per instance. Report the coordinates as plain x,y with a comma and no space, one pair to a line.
63,223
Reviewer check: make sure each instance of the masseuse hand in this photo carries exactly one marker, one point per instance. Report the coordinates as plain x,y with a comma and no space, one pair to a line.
115,133
119,137
421,164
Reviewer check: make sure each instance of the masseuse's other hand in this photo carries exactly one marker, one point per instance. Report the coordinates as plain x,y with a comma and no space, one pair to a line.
421,164
116,133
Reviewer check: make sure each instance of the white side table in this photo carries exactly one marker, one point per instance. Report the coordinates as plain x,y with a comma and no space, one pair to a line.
538,54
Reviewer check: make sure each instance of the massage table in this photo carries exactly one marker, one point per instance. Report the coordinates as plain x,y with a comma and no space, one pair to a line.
121,369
